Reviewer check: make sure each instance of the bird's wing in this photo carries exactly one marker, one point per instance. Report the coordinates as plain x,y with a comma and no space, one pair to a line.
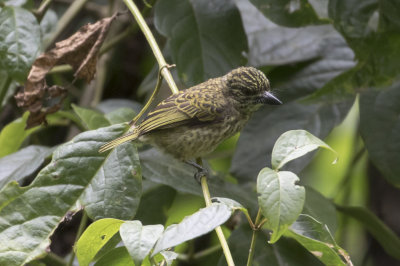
183,108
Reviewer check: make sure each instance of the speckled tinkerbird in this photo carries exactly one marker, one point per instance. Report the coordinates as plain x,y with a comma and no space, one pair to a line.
191,123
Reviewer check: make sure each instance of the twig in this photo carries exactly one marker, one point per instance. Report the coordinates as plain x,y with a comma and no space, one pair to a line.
258,223
71,12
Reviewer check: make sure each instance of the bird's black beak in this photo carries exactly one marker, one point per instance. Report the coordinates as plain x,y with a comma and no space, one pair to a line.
269,98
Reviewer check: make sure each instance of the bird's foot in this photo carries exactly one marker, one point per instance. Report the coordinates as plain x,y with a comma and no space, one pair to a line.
201,171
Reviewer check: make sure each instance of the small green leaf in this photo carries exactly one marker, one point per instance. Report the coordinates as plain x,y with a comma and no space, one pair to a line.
120,115
116,257
139,239
197,224
20,41
94,238
388,239
294,144
92,119
169,256
22,163
280,199
317,239
12,135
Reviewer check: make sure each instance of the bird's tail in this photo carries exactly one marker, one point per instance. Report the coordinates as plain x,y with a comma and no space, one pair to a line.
118,141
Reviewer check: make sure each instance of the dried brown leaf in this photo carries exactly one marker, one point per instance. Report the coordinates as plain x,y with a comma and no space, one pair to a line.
80,51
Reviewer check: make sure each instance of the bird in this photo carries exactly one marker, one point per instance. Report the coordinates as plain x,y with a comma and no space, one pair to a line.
193,122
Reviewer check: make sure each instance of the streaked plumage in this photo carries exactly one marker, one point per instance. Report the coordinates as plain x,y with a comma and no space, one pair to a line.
193,122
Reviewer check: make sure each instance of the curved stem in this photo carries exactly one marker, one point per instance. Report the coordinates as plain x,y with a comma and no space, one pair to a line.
153,44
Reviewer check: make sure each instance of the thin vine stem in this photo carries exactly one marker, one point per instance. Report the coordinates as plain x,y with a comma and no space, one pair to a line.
258,223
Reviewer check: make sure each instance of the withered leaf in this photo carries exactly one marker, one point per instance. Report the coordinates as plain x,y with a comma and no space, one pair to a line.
80,51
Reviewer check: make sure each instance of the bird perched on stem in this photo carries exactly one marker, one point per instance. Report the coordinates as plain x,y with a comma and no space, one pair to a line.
192,123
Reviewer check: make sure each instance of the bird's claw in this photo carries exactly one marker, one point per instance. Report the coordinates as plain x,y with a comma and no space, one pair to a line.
200,174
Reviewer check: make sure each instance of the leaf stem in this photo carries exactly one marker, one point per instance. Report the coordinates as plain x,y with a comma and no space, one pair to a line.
218,230
153,44
81,228
258,223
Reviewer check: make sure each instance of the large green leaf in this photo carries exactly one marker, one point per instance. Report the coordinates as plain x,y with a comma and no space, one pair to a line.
20,41
271,44
373,33
280,199
317,239
32,214
288,12
380,129
94,238
12,135
256,141
139,239
197,224
22,163
206,37
284,252
388,239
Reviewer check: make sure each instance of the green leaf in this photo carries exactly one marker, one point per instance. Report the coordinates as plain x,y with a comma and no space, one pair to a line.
280,199
206,37
388,239
120,115
34,212
271,44
197,224
380,129
94,238
12,135
116,257
317,239
289,13
294,144
48,24
256,141
169,256
22,163
139,239
320,208
284,252
20,41
163,169
115,191
92,119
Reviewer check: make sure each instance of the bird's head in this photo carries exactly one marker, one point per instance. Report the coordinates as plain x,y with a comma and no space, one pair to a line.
250,88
